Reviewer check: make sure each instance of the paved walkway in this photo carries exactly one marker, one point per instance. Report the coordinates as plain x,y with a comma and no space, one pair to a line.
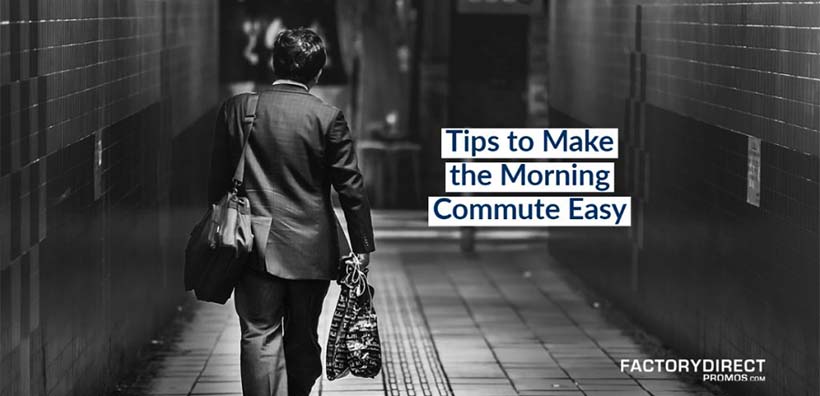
501,322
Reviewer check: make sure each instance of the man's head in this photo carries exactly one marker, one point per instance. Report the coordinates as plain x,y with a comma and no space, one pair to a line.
299,55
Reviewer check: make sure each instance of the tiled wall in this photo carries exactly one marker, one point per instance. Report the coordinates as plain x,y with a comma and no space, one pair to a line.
93,96
688,82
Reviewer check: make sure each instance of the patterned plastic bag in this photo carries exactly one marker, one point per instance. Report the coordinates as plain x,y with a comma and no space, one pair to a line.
363,345
353,345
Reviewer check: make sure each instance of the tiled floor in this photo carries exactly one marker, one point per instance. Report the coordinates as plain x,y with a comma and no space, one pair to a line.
501,322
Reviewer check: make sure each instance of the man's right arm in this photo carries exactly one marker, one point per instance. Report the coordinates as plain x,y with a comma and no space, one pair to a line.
220,174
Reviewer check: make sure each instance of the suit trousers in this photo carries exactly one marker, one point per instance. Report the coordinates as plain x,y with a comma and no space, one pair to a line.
280,353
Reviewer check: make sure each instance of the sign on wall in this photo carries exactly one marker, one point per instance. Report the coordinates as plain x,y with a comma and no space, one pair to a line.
753,172
514,7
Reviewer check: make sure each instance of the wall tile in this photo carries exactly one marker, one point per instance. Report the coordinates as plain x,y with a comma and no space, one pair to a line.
70,69
715,275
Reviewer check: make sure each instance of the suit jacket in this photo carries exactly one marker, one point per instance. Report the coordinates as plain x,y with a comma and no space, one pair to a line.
300,147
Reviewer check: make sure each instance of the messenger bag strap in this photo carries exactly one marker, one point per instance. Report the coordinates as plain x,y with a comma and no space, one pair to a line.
250,118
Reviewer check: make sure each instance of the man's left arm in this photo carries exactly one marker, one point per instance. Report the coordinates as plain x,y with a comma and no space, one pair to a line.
348,182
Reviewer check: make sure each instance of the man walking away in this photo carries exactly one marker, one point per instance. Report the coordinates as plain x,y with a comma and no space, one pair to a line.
299,148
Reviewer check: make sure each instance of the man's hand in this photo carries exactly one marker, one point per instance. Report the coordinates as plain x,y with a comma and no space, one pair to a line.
364,259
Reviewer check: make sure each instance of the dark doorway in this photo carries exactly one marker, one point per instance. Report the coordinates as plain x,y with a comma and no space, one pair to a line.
488,71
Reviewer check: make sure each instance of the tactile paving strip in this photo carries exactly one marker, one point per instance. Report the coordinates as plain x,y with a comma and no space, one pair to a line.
411,363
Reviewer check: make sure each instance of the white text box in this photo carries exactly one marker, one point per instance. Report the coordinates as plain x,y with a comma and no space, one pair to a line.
529,143
529,211
529,177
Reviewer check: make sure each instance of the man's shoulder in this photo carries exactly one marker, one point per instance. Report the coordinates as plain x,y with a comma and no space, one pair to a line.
289,104
303,101
237,103
321,104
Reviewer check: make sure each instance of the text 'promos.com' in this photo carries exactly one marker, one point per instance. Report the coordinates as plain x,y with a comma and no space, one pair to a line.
717,370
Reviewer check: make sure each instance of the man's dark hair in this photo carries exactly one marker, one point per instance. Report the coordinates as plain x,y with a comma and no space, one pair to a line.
298,54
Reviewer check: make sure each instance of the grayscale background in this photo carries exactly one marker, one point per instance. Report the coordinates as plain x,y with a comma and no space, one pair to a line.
106,113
